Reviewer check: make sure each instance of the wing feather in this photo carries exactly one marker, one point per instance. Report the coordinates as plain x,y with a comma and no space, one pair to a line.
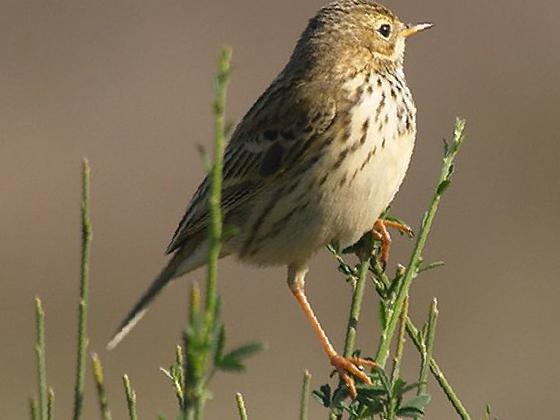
275,135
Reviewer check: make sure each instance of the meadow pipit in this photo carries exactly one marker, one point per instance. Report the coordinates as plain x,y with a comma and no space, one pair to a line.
316,160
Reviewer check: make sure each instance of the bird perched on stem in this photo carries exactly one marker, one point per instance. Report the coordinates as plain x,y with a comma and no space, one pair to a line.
316,160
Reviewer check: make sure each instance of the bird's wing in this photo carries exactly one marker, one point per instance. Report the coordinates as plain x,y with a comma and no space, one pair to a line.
278,133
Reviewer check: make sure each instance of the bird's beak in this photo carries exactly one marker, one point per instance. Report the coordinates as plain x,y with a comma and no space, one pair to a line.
414,29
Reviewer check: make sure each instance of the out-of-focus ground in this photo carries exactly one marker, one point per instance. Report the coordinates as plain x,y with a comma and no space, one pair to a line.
128,84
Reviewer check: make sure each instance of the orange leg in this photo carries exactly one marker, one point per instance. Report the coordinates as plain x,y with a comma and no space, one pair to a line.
381,233
346,366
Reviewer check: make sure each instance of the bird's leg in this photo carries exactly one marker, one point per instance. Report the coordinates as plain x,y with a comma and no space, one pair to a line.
345,366
382,234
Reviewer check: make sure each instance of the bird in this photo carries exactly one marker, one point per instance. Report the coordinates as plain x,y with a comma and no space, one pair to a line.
316,160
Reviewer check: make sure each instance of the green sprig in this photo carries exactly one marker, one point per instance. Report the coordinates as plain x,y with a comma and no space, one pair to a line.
83,339
414,264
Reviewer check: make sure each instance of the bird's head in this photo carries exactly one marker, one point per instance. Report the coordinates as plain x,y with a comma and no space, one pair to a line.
355,31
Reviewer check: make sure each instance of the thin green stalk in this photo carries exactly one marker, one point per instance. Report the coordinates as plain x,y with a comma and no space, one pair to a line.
196,393
413,333
215,231
392,409
241,406
305,393
50,405
428,346
41,359
33,409
83,340
400,344
130,398
179,381
450,393
100,386
411,270
355,309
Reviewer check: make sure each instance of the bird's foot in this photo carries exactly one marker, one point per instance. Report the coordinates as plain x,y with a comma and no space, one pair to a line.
347,367
381,233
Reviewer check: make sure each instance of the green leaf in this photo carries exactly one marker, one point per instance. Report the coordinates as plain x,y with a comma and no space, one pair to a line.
418,403
370,390
374,407
340,394
443,186
323,395
384,380
219,341
410,387
382,314
398,386
410,412
233,361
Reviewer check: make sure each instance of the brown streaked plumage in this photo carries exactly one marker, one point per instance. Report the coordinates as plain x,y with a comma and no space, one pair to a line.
316,159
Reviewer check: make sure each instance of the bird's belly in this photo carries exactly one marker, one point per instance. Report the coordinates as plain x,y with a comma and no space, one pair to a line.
357,204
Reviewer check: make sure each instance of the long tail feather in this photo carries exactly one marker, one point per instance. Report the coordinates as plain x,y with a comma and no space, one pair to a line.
178,265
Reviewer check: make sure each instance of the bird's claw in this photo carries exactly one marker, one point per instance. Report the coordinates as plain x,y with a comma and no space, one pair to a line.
348,368
381,233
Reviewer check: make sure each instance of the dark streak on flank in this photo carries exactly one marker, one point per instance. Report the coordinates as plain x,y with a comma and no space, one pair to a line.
368,158
255,228
278,227
365,128
380,106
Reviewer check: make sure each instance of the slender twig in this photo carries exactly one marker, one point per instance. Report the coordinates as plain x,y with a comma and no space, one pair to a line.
33,409
100,386
50,405
355,309
41,359
197,369
400,343
130,398
214,202
413,332
241,409
450,393
426,355
305,393
412,268
179,378
84,292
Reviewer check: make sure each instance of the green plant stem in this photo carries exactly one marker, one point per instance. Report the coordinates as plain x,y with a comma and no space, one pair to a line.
215,231
450,393
241,406
196,394
400,344
305,393
41,359
50,405
412,268
84,292
413,332
355,309
33,409
428,346
100,386
130,398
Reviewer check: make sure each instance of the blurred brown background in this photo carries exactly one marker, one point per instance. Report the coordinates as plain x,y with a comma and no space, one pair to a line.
128,84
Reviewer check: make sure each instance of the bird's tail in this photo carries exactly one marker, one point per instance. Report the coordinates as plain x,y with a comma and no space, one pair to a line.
181,263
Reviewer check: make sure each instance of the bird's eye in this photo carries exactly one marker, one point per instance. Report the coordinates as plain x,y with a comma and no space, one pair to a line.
385,30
